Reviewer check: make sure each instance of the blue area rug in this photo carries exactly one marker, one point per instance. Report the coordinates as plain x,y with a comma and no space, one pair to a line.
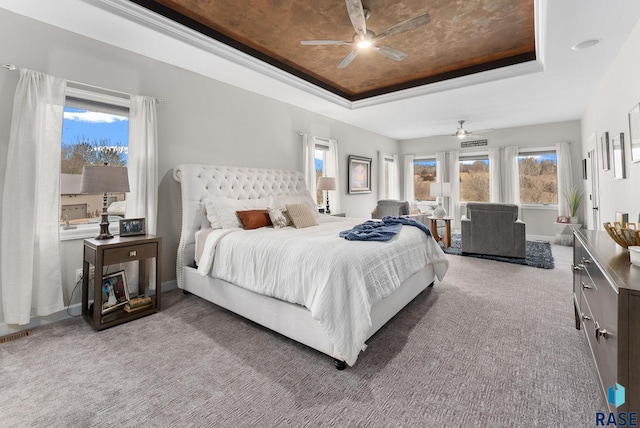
538,253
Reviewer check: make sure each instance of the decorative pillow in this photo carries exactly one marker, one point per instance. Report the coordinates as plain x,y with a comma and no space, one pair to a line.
253,219
279,217
301,215
281,201
221,212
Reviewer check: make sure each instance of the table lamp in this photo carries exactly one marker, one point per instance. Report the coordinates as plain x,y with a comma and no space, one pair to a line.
102,179
440,190
326,184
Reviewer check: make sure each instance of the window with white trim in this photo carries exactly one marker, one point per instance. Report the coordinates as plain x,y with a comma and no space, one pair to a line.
95,130
424,173
474,178
321,164
538,171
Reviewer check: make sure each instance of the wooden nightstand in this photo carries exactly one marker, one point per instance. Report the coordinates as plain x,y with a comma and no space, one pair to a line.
105,252
446,238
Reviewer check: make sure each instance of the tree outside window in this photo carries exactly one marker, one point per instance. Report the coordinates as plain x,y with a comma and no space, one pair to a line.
474,179
538,173
424,173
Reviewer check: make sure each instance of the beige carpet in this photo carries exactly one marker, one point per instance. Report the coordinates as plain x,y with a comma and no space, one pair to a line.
494,345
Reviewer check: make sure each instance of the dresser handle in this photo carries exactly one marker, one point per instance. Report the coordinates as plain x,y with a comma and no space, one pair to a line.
133,253
586,286
601,333
577,267
585,317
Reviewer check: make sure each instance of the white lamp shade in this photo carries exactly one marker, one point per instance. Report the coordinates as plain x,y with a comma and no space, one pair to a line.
440,189
104,179
326,183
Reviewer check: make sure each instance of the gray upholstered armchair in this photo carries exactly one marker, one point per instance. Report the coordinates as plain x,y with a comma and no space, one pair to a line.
390,207
493,229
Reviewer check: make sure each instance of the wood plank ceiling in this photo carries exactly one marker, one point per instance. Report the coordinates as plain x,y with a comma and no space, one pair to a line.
463,37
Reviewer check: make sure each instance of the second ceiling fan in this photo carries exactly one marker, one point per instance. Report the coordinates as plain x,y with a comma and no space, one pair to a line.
367,39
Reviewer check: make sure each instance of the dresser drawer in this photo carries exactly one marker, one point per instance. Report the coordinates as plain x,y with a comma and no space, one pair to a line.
129,253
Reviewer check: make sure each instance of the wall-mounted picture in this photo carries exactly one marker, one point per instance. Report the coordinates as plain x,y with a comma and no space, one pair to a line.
634,133
604,150
114,291
132,227
617,148
359,174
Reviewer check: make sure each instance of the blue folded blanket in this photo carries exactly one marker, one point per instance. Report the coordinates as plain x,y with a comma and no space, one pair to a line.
383,230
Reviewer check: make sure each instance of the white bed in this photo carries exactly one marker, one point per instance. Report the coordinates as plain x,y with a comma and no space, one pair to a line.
200,183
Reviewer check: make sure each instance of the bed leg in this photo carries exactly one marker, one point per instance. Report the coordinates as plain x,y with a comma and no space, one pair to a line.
340,365
431,285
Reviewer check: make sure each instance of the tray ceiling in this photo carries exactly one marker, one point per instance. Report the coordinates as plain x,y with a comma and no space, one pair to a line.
463,37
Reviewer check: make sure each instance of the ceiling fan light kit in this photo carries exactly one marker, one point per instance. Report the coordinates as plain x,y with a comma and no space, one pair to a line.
365,39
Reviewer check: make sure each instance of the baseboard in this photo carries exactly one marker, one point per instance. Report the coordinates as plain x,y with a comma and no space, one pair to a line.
66,313
541,238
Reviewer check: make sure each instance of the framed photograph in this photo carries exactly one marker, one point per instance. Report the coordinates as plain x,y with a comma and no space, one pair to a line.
132,227
634,133
617,148
563,219
114,291
604,150
622,217
359,174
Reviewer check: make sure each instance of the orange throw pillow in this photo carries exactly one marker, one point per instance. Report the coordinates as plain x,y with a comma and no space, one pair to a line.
253,219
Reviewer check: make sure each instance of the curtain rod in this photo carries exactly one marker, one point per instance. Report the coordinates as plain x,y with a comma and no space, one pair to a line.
12,67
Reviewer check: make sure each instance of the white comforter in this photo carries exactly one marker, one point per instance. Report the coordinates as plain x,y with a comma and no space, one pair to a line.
337,280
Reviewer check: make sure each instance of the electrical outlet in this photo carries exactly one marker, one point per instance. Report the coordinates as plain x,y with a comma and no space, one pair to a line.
92,274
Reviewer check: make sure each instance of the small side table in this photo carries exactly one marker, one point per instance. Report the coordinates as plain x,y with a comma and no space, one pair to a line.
101,253
564,232
446,239
338,214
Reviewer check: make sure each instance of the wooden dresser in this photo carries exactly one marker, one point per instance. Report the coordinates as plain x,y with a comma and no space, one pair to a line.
606,294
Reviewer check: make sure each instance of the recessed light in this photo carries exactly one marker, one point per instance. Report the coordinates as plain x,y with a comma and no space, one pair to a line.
585,45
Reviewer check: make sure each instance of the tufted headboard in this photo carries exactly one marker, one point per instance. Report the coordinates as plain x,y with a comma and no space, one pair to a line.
201,181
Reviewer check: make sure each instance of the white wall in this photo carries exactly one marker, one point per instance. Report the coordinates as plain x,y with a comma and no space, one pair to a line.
539,220
202,121
618,93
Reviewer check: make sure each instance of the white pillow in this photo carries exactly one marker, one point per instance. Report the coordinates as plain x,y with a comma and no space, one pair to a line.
279,217
221,212
281,201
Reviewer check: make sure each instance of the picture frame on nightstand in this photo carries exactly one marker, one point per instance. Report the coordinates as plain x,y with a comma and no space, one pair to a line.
115,293
132,226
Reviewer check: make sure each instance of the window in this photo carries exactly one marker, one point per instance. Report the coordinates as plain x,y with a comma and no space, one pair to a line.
424,173
474,178
538,171
95,130
388,168
320,162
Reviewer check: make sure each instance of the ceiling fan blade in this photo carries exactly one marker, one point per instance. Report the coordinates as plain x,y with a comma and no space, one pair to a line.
347,59
325,42
407,25
356,15
391,53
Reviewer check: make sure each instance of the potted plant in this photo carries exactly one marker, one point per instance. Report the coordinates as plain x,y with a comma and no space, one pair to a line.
574,200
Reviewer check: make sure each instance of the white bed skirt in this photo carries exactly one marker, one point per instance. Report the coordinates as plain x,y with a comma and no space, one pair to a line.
295,321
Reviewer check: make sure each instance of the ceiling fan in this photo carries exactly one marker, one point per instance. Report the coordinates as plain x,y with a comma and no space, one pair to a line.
367,39
463,133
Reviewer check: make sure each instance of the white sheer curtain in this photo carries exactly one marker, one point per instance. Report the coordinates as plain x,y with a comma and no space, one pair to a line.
393,177
331,169
510,176
453,175
495,176
309,155
442,169
142,200
30,269
409,188
565,177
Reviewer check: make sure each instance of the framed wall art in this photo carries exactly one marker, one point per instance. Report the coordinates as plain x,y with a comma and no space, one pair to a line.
359,174
617,149
604,150
634,133
132,227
